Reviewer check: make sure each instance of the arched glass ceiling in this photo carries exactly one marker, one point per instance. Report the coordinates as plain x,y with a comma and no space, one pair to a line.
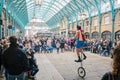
52,11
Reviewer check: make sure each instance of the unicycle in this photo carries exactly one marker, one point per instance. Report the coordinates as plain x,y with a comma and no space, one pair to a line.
81,69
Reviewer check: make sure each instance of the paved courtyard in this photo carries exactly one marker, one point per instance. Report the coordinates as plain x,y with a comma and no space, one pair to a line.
61,66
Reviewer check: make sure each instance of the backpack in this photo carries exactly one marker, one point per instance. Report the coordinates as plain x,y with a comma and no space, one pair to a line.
83,36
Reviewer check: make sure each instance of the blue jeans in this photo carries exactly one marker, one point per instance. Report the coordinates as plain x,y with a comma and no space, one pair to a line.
57,50
18,77
104,52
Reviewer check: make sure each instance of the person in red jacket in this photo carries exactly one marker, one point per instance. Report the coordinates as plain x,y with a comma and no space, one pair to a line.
80,39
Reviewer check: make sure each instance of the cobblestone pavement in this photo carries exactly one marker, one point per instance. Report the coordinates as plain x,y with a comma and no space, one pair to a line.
53,66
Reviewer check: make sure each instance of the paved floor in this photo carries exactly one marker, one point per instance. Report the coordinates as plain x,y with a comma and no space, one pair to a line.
61,66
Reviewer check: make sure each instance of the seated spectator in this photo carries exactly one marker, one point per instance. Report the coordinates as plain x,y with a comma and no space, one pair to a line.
115,74
33,68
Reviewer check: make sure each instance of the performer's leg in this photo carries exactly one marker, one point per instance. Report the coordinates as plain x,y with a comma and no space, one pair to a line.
78,54
83,54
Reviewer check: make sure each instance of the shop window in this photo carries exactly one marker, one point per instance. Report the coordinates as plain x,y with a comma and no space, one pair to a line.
119,18
95,35
63,24
70,26
95,22
107,20
2,31
117,35
74,26
106,34
87,23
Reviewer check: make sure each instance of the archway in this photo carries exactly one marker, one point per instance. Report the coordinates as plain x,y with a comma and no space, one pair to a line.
106,34
95,35
117,35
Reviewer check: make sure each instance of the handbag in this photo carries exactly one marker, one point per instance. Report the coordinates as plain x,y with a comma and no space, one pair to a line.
34,71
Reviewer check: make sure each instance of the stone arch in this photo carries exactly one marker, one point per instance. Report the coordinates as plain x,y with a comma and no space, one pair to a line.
95,34
117,35
106,34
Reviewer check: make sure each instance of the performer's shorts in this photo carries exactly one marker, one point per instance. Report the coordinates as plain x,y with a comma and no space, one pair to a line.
79,44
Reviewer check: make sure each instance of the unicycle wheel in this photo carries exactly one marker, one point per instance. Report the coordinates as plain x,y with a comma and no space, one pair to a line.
81,72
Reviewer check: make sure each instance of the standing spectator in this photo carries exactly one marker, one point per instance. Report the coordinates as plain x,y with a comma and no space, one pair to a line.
73,44
20,40
115,74
1,48
50,48
5,46
37,45
62,43
115,43
109,42
104,48
57,46
53,43
14,61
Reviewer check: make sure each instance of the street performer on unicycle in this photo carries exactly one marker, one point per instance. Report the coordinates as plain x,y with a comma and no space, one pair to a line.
80,39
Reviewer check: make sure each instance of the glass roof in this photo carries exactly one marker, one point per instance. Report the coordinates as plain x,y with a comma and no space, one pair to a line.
52,11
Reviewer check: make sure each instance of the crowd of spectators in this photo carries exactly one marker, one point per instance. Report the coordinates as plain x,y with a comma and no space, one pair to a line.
33,45
104,47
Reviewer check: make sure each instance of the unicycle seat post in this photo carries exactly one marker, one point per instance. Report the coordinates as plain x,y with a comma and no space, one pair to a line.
81,69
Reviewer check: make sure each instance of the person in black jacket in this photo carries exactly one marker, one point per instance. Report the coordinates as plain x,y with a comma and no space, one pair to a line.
1,66
0,52
0,55
15,61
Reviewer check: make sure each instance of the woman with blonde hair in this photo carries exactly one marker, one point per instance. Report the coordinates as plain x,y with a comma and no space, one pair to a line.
115,74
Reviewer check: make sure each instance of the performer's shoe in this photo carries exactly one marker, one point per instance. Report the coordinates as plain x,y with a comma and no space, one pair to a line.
79,60
85,57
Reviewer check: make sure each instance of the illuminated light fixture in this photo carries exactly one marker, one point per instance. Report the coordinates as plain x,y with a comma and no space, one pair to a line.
38,2
83,15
